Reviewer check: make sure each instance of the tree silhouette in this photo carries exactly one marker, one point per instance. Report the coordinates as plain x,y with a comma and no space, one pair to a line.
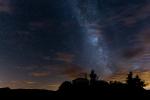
138,82
93,77
134,82
130,79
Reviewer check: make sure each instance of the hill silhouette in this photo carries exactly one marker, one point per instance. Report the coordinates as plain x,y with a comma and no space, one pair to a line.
81,88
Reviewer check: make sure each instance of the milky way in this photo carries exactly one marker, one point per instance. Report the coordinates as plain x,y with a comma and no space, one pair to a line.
94,45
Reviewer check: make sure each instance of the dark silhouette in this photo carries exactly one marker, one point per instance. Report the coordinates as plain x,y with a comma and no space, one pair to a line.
93,77
82,87
135,82
130,79
66,86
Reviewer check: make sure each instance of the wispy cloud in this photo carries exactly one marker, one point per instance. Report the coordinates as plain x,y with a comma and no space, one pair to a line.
73,71
65,57
5,6
40,74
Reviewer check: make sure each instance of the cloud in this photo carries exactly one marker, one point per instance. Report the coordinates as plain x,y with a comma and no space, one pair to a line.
5,6
132,52
65,57
140,14
144,35
129,15
53,86
40,74
63,70
42,24
30,82
74,71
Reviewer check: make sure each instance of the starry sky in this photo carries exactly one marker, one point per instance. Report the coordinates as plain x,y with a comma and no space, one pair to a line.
45,42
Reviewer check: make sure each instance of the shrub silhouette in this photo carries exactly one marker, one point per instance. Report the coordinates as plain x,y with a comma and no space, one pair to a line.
65,87
80,82
135,82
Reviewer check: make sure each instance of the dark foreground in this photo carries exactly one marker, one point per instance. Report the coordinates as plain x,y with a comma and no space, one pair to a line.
83,88
74,94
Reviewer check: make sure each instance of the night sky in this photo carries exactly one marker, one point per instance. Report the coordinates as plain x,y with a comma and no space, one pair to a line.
45,42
